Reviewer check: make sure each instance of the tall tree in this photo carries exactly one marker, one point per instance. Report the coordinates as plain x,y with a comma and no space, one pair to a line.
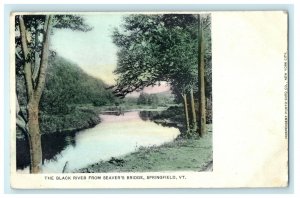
203,50
193,109
34,93
143,99
33,43
154,48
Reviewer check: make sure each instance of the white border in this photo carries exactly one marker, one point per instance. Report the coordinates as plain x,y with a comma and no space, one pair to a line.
296,82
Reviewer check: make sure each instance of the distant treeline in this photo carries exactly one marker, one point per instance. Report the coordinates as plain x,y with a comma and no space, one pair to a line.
68,92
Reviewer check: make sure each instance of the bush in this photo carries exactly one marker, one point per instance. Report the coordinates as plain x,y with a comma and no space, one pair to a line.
76,120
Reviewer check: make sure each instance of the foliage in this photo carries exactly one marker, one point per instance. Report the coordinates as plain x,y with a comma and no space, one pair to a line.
35,30
147,99
32,41
169,47
78,119
154,48
67,86
173,113
32,56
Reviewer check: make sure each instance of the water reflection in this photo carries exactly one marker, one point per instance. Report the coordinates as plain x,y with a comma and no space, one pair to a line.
52,145
22,155
157,118
117,134
116,113
148,115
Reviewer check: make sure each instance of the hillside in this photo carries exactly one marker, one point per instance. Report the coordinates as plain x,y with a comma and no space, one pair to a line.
68,97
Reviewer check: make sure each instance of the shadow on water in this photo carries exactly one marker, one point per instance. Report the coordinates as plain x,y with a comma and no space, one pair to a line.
52,145
155,116
116,113
148,115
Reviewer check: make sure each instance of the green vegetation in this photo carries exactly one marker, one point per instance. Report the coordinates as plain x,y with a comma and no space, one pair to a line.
174,48
55,95
155,100
193,154
148,99
69,98
151,102
32,54
173,114
68,86
77,120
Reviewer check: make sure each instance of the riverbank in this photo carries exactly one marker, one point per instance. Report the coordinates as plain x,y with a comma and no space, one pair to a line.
194,154
78,119
57,131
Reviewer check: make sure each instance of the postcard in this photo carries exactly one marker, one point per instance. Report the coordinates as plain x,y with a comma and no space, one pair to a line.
149,99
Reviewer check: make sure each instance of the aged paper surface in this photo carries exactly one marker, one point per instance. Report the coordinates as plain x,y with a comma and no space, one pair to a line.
250,137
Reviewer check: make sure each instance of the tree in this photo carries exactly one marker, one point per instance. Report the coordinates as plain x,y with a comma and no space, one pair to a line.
153,100
143,99
138,53
32,42
203,27
184,73
193,109
154,48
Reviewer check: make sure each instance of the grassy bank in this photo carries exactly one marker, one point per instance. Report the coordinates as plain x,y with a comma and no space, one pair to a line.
194,154
78,119
134,107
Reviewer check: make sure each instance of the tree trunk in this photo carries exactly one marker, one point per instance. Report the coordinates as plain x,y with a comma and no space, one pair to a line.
41,80
34,137
36,65
193,110
34,92
186,113
201,81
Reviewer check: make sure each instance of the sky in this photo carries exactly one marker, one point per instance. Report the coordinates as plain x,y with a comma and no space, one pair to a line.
94,51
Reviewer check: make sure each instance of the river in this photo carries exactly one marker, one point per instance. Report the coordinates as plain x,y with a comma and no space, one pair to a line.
115,136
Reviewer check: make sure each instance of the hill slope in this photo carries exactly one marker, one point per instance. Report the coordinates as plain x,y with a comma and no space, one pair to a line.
68,92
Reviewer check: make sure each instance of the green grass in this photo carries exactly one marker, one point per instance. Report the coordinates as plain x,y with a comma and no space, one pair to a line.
194,154
78,119
129,107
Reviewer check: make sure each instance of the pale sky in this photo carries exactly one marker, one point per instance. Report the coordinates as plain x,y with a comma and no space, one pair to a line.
94,51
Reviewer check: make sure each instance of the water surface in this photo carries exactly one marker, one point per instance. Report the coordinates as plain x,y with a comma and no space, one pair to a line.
115,136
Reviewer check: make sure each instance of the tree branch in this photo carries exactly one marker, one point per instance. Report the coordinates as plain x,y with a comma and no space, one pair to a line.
44,58
18,55
36,65
21,124
20,121
27,66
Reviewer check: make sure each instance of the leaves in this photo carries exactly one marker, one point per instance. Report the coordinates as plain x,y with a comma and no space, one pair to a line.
73,22
35,35
156,48
68,85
